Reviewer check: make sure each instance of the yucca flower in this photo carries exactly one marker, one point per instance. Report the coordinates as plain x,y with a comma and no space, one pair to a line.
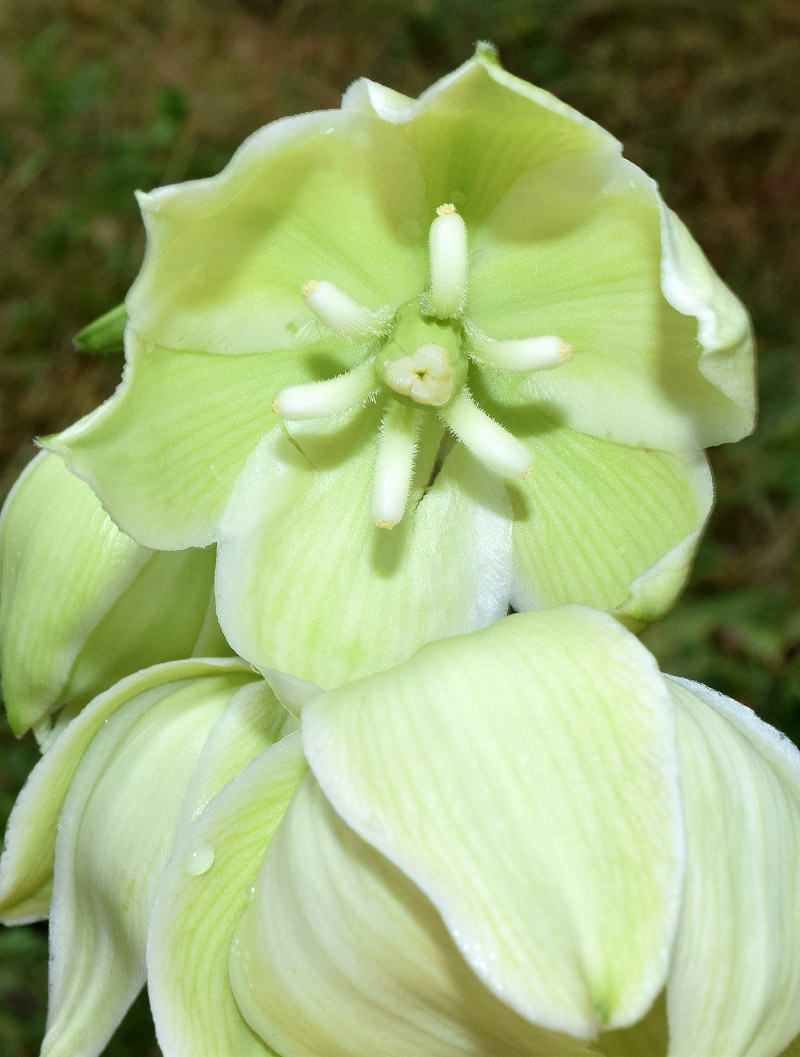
412,362
521,842
82,604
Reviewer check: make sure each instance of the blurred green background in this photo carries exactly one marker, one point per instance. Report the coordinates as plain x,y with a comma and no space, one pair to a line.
98,99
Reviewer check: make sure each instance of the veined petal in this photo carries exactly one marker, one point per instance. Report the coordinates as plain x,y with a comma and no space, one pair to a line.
329,195
339,953
603,524
26,867
82,605
585,248
734,984
307,584
58,580
115,836
517,821
478,129
196,913
164,451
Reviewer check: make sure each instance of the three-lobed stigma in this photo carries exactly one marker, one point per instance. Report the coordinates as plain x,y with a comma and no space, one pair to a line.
417,359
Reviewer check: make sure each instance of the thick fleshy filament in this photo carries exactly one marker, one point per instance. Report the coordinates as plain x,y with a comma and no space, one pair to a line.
447,243
394,465
486,439
340,312
521,355
330,397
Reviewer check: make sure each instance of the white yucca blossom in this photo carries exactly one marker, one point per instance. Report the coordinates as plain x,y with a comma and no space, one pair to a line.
521,842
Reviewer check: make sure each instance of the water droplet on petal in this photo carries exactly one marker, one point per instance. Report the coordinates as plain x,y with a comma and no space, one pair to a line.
200,861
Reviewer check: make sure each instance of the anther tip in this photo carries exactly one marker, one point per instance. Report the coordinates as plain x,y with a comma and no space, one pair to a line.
274,406
310,287
527,474
566,353
445,210
387,525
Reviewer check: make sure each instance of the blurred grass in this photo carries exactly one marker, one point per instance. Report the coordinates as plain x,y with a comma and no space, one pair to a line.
99,99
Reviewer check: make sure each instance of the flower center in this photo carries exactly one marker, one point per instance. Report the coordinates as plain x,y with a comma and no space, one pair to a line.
419,356
425,376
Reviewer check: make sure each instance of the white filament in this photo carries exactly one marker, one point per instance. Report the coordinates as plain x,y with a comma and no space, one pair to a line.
486,439
447,243
523,354
320,399
394,465
340,312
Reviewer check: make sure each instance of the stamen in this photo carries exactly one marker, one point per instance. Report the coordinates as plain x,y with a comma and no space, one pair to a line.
523,354
426,375
394,466
448,251
485,438
320,399
340,312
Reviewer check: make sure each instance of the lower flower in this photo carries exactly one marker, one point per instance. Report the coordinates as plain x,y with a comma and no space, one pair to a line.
523,842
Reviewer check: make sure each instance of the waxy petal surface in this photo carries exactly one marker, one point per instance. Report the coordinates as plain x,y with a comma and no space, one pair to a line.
329,195
163,453
115,835
547,831
734,983
663,350
307,584
602,524
477,130
26,867
196,913
340,953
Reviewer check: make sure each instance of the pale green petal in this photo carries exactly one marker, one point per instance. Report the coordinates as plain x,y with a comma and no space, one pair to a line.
734,985
478,129
499,771
307,584
164,451
793,1050
26,867
82,605
115,837
603,524
329,195
63,563
196,912
584,248
340,954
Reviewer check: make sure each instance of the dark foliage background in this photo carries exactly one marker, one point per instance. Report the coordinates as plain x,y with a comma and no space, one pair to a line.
97,99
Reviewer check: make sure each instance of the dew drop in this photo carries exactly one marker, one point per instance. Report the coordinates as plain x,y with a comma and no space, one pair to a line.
200,861
328,131
200,275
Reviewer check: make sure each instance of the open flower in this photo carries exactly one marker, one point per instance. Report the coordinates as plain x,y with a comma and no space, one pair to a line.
522,842
464,319
82,604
